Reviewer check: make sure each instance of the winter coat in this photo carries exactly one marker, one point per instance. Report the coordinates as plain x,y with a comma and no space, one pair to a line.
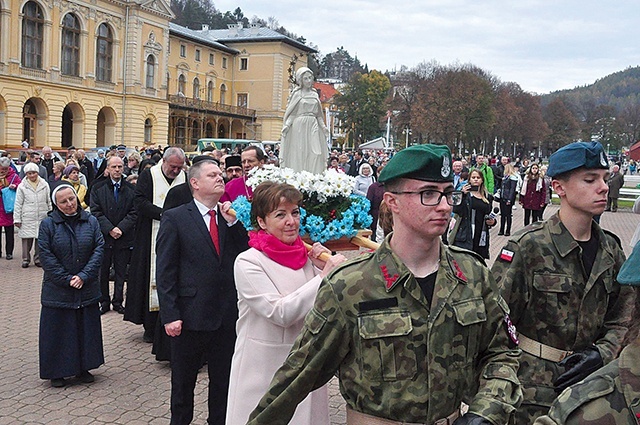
110,214
533,193
6,219
66,252
273,301
615,182
473,232
363,182
509,189
32,206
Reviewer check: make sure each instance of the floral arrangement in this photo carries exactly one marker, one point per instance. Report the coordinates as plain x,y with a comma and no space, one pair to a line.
329,209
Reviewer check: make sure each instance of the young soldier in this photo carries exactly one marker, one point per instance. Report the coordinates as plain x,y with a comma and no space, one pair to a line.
559,279
411,328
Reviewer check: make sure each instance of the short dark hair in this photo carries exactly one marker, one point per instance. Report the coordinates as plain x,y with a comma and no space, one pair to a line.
268,195
259,152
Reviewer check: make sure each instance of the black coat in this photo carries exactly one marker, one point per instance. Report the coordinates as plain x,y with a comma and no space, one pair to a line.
110,214
465,237
195,284
178,195
66,252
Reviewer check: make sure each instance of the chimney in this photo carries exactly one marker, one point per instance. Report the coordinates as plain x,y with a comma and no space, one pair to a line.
233,28
254,29
205,27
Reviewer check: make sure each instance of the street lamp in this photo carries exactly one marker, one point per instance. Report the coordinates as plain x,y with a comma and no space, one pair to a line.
407,133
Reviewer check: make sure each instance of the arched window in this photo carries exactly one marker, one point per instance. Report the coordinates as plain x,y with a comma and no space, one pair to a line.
182,82
32,35
223,94
70,45
151,72
196,88
210,91
104,53
148,129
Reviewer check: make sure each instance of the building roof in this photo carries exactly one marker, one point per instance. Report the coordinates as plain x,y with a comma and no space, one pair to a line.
325,91
238,34
199,37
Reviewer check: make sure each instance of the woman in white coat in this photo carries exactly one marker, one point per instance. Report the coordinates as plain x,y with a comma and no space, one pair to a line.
32,205
277,281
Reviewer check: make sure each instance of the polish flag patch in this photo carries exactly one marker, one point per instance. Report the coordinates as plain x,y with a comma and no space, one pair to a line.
506,255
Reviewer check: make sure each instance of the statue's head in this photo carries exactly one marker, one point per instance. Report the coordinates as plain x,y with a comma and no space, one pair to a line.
300,73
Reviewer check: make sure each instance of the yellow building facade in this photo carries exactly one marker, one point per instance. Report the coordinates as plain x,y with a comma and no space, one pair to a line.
98,73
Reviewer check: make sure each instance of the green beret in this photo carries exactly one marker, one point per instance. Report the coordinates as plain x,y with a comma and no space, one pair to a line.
420,162
577,155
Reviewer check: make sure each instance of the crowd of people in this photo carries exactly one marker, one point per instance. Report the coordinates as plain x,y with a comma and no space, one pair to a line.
412,330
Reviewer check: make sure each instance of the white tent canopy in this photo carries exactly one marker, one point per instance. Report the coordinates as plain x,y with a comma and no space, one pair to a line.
379,143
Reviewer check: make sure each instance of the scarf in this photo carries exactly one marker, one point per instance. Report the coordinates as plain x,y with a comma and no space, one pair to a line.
291,256
523,191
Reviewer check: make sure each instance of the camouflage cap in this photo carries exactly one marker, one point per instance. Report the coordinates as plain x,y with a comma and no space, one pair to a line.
576,155
420,162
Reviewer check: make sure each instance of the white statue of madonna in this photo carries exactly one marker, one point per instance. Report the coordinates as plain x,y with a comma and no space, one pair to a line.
304,134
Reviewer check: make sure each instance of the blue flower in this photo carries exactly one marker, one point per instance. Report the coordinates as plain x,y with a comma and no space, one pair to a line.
242,206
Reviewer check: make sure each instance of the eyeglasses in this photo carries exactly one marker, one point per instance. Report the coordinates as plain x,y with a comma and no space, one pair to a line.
432,197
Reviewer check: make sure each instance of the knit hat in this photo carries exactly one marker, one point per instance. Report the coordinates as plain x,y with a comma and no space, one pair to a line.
69,168
30,167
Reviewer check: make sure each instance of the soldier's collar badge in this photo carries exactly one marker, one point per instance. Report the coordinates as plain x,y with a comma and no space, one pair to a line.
459,273
390,280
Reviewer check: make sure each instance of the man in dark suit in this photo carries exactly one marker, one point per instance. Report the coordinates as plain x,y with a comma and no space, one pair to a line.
356,162
112,204
196,248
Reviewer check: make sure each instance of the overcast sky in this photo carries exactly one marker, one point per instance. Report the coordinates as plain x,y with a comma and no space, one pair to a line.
543,45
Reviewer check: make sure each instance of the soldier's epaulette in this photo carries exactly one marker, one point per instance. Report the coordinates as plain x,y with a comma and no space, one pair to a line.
533,227
615,237
468,252
574,397
359,259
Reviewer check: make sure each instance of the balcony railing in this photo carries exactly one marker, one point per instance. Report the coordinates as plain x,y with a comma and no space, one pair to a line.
71,79
204,105
34,73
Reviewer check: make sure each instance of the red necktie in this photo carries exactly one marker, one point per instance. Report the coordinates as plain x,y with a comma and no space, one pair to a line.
213,230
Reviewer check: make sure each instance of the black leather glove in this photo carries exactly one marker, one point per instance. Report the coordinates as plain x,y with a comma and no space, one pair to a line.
578,366
472,419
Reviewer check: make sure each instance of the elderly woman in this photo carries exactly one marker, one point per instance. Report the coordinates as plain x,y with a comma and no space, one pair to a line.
71,176
32,205
71,247
304,134
58,172
364,180
81,176
8,178
277,281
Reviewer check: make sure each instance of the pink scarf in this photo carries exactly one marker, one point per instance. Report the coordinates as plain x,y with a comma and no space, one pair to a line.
293,256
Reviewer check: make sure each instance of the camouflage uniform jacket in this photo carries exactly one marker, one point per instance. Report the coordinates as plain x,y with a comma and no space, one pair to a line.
396,357
610,396
552,301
